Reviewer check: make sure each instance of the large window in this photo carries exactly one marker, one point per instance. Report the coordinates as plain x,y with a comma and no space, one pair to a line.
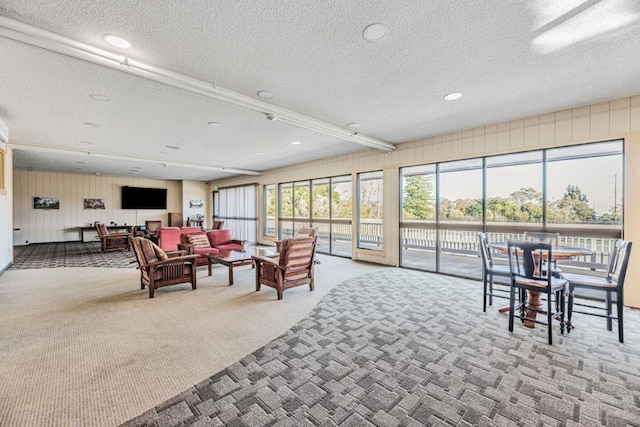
575,191
370,210
514,188
237,207
460,214
418,226
584,184
323,204
269,196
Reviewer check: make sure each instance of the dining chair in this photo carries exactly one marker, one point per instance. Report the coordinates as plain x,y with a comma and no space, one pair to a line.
530,274
542,236
489,270
612,283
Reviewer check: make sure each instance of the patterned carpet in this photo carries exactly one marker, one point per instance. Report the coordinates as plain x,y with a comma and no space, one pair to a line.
404,348
70,254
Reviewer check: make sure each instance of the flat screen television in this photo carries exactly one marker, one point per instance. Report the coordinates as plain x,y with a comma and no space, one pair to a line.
144,198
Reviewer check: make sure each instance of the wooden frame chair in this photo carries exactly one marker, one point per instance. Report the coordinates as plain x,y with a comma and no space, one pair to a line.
294,265
114,240
159,268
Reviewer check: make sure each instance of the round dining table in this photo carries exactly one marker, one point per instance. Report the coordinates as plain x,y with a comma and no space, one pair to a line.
534,300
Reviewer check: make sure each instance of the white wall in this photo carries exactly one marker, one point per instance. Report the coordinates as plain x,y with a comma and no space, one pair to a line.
197,190
38,226
6,222
608,120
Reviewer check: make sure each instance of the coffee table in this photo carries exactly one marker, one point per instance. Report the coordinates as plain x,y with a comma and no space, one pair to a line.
237,258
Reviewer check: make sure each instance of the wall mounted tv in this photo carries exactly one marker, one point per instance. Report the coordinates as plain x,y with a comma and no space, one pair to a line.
144,198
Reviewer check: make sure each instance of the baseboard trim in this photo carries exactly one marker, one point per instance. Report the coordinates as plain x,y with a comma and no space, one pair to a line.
6,267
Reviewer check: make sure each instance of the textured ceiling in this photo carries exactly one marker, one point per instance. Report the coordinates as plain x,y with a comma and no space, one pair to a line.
509,59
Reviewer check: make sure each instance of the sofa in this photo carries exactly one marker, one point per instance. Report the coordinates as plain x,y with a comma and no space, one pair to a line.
169,237
210,242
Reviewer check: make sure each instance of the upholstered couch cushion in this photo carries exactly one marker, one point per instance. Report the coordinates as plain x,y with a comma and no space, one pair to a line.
222,240
168,238
219,237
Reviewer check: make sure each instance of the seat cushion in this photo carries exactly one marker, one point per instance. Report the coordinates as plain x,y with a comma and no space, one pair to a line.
229,247
219,237
199,241
205,251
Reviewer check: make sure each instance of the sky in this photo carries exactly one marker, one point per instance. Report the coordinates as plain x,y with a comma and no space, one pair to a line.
594,176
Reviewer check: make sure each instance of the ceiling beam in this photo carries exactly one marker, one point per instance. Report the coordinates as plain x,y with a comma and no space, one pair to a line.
34,36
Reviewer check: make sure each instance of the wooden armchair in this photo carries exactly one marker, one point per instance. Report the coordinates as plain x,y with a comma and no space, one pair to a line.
159,268
293,266
112,241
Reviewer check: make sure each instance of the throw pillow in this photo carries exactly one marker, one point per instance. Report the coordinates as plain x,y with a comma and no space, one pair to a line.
160,254
199,241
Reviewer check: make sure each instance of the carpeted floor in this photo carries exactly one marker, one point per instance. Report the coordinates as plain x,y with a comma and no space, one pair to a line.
70,254
403,348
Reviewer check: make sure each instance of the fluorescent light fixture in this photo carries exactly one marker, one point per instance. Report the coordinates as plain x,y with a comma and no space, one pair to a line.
214,124
117,41
265,94
453,96
296,142
353,125
43,39
570,23
42,148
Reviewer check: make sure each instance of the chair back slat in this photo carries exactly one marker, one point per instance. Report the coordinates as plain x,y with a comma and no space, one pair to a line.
485,253
619,262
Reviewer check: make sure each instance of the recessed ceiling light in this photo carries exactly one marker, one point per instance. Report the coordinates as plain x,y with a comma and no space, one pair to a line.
173,147
374,32
98,97
93,125
353,125
453,96
86,142
116,41
259,153
215,124
296,142
265,94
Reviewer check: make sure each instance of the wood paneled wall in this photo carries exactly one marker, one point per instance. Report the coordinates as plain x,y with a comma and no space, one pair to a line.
59,225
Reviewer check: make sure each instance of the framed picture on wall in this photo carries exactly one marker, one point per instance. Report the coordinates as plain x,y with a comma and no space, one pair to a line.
94,204
46,203
196,204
